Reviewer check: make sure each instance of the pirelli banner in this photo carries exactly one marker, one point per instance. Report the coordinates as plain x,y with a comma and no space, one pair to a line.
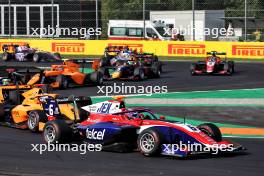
251,50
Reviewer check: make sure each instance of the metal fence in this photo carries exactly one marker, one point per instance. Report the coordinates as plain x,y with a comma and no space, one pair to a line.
22,18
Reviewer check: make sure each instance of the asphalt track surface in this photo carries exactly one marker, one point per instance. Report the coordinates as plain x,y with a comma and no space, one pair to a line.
17,159
177,77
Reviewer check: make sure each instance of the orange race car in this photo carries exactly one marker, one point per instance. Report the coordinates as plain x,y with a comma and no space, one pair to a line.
63,75
23,107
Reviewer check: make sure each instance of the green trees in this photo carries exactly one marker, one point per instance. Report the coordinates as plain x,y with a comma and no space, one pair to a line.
133,9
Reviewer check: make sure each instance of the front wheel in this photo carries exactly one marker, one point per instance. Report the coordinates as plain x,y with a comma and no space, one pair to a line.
34,118
211,130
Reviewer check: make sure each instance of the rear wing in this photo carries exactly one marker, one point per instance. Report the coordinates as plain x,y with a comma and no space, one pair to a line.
7,47
80,61
64,100
114,48
144,55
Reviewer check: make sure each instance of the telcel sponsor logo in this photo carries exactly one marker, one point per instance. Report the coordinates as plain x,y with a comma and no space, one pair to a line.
247,50
94,134
68,47
186,49
137,47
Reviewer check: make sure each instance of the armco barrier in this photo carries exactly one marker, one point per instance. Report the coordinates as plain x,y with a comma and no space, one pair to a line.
254,50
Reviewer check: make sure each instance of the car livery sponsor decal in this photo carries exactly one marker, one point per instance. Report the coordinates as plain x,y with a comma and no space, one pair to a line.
138,47
186,49
247,50
95,134
105,107
68,47
12,43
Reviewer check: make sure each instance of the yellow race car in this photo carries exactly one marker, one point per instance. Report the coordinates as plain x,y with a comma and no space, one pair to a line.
25,107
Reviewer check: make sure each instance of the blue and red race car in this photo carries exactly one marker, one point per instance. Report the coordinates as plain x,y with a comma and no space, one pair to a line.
118,128
213,64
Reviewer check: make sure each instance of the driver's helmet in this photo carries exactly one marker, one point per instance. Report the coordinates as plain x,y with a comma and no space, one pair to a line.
141,116
130,62
60,68
6,82
135,115
212,59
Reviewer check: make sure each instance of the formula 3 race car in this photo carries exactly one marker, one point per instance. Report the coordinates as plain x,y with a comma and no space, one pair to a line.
119,129
135,69
23,52
111,55
30,108
64,75
213,65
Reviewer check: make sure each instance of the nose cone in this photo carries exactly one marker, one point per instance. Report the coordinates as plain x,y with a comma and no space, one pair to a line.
210,68
116,75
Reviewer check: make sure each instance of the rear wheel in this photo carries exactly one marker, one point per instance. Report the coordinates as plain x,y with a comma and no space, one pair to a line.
14,97
37,57
34,118
149,142
6,56
62,81
228,69
211,130
192,69
96,77
139,73
57,131
156,70
2,112
105,61
46,88
57,56
84,101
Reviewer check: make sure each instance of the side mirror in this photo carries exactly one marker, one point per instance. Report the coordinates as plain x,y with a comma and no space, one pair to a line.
162,117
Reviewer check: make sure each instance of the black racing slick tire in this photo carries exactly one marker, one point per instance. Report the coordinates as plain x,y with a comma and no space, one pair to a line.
139,74
156,71
2,112
211,130
14,97
57,131
84,101
62,81
37,57
34,118
96,78
57,56
149,142
5,56
192,69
